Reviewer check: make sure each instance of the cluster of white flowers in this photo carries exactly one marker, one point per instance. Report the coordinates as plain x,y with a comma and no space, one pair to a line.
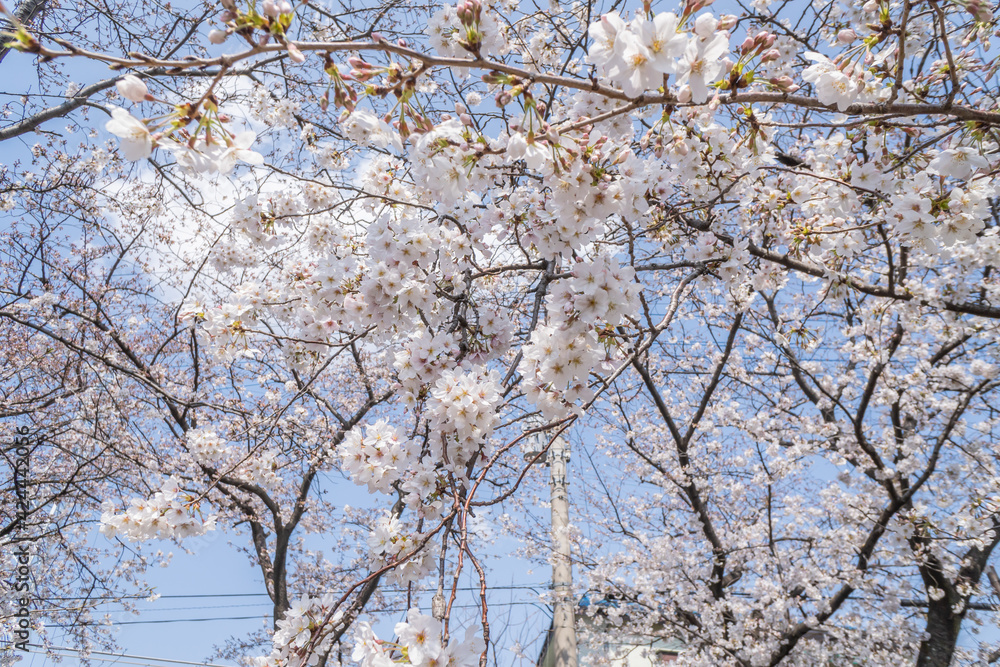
419,644
303,635
224,329
556,367
376,455
206,446
921,218
422,360
968,209
170,513
558,361
638,54
369,130
443,157
461,412
599,290
402,250
844,84
391,542
272,110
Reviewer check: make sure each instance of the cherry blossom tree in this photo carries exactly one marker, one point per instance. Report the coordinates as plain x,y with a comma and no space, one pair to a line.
744,252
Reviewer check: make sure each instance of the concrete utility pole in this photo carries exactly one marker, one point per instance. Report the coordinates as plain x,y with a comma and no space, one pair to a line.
563,640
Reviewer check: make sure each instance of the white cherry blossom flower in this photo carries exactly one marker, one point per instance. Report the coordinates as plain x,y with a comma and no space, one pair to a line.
422,637
136,141
604,52
960,163
239,152
637,72
664,44
701,64
837,89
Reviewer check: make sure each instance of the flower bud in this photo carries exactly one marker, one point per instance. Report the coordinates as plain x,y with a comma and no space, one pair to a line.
783,83
285,7
770,56
747,46
727,22
980,11
227,16
270,8
684,95
217,36
295,54
132,88
846,36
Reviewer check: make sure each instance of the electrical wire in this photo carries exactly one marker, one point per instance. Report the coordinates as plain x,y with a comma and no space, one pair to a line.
119,661
123,655
260,616
236,595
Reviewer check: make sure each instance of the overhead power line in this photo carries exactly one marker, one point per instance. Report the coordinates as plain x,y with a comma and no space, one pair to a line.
119,661
121,655
544,585
163,620
259,616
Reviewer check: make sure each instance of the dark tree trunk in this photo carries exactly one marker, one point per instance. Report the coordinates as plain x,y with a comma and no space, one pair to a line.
943,622
942,627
